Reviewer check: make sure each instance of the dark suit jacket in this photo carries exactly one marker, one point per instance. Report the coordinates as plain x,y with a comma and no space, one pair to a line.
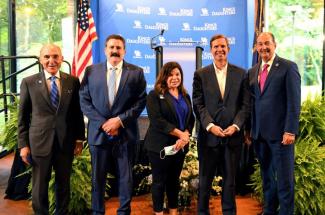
39,121
163,120
209,107
129,102
275,110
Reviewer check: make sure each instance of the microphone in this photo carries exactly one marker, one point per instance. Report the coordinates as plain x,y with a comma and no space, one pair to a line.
152,44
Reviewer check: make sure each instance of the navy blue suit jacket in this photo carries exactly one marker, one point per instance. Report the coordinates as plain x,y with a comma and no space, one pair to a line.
276,109
129,102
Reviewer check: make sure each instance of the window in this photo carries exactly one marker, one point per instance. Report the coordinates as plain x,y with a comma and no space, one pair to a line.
298,29
4,30
39,22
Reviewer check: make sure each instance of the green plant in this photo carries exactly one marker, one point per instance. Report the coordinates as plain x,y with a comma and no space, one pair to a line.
309,177
311,122
309,161
145,183
80,185
8,136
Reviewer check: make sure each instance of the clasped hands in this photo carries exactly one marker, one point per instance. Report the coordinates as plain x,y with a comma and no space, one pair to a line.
111,126
218,131
184,139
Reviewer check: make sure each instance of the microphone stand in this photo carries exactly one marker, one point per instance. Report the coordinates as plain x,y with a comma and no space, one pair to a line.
158,51
152,44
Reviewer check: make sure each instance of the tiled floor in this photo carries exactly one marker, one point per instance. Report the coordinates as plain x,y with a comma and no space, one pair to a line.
141,205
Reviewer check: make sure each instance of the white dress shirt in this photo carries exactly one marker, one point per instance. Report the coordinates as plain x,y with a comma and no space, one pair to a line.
221,77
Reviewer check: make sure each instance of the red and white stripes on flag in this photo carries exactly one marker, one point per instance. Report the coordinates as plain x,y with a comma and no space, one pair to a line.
85,35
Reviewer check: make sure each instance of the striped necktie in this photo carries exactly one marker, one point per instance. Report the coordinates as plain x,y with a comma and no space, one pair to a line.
54,94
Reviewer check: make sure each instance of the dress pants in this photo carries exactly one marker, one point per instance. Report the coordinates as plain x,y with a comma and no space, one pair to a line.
277,171
101,157
222,159
165,177
61,162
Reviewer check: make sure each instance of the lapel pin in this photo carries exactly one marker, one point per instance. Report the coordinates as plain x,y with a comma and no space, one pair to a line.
39,81
277,64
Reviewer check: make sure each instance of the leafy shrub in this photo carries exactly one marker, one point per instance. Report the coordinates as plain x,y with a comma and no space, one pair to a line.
8,137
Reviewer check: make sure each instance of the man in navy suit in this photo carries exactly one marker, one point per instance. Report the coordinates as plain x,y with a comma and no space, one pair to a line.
50,131
275,124
221,104
112,96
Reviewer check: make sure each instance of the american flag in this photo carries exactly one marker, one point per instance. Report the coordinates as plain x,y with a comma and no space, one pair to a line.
85,35
259,25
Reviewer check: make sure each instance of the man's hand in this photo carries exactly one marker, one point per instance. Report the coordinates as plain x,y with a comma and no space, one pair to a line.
288,138
217,131
230,130
24,153
78,148
247,138
111,126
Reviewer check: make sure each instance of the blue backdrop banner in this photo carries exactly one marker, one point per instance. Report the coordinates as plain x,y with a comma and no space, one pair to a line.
186,24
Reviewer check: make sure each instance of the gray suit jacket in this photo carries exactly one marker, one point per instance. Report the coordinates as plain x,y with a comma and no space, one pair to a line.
210,107
39,122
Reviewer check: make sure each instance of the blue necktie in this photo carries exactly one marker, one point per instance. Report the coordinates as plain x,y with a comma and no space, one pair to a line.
54,94
111,86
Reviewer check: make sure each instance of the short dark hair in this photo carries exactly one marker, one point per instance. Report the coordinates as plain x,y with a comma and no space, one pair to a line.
164,73
115,36
218,36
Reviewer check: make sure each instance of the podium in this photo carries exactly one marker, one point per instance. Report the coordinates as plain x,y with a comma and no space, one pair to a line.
187,54
172,47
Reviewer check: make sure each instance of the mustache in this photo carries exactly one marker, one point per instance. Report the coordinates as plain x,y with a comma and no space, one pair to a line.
114,54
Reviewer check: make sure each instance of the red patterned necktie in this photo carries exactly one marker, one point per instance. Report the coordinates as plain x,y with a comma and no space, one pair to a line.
263,76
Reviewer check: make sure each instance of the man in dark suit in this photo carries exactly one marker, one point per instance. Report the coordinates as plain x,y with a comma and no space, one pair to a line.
275,88
221,104
50,128
112,96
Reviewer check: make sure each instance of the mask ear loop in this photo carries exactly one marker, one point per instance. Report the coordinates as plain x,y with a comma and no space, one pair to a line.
161,154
